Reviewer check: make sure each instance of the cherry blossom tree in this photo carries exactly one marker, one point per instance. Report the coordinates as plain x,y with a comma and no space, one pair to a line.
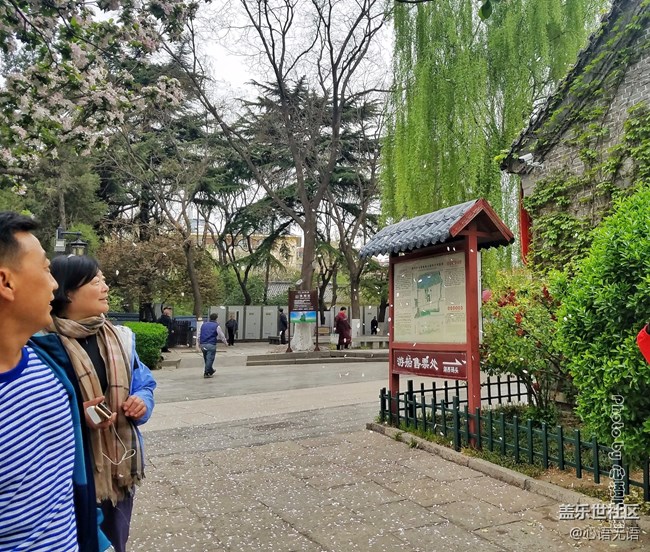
65,71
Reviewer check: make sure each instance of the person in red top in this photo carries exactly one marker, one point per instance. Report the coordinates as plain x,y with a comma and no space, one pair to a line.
643,341
343,328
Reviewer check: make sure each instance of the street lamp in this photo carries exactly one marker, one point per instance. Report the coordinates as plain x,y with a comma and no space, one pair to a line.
78,246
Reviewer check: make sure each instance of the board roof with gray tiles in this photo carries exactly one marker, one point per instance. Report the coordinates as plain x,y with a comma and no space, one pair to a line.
417,232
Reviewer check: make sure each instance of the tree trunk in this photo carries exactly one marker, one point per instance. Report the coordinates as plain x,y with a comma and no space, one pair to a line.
381,315
267,274
355,281
308,252
188,248
63,222
335,285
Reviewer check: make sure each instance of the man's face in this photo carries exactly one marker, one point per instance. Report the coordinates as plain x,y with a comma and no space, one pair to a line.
31,284
168,312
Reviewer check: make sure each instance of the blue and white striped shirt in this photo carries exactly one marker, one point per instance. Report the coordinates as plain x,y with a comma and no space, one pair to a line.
36,460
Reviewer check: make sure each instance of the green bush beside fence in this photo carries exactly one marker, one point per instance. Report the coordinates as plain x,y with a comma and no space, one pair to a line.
150,338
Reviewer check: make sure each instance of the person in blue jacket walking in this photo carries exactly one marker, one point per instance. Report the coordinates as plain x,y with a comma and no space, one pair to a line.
109,373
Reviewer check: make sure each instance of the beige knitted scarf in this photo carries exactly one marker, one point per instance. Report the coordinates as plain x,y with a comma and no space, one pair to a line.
113,480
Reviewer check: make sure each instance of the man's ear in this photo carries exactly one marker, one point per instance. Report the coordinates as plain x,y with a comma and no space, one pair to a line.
6,284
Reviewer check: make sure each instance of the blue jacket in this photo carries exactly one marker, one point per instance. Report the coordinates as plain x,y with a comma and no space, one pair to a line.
50,349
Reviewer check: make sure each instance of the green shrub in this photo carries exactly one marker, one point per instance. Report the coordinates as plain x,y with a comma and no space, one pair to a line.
150,338
604,307
519,327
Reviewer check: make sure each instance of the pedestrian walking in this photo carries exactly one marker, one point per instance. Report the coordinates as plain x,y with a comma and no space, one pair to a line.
167,321
343,329
373,326
284,324
210,333
232,327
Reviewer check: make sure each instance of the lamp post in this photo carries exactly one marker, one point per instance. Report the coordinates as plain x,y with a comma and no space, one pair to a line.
77,247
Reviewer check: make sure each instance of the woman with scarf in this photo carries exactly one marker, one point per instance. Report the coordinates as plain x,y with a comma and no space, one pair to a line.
108,370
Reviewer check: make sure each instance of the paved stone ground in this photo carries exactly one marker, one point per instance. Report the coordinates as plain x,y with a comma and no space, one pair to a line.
310,478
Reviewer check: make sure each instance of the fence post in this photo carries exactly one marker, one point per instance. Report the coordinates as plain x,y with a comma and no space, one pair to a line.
489,429
502,429
560,447
515,423
468,437
410,404
382,403
529,437
489,388
443,413
499,389
578,453
424,407
594,448
544,446
646,480
478,427
456,420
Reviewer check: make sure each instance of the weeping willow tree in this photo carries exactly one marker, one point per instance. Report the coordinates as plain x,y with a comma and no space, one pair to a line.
464,88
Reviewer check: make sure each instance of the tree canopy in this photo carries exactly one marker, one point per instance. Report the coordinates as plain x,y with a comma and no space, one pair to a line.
463,90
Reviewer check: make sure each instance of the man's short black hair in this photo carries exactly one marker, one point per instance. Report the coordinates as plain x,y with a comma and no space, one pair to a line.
10,223
343,308
71,272
214,316
281,310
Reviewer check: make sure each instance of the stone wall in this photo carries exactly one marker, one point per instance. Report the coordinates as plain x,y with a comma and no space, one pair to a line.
564,157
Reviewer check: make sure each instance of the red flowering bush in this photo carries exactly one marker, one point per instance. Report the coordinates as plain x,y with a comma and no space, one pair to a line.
519,325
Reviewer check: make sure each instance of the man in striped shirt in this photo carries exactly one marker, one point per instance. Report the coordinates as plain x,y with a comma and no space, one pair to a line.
37,439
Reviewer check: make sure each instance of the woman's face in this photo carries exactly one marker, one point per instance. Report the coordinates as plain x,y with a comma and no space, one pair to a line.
91,299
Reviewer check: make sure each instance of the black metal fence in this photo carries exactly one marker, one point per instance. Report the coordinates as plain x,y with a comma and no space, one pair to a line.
443,410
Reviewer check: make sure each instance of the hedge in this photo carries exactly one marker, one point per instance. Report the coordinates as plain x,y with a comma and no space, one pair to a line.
150,338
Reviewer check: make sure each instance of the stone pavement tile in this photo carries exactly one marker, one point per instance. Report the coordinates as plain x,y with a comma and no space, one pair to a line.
282,452
294,498
356,536
474,514
438,468
260,529
321,442
383,472
442,492
236,460
160,495
216,497
445,537
423,491
165,522
324,477
361,495
548,517
303,516
398,516
200,541
268,483
527,536
506,497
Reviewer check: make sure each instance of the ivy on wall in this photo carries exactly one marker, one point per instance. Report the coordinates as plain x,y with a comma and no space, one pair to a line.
564,206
